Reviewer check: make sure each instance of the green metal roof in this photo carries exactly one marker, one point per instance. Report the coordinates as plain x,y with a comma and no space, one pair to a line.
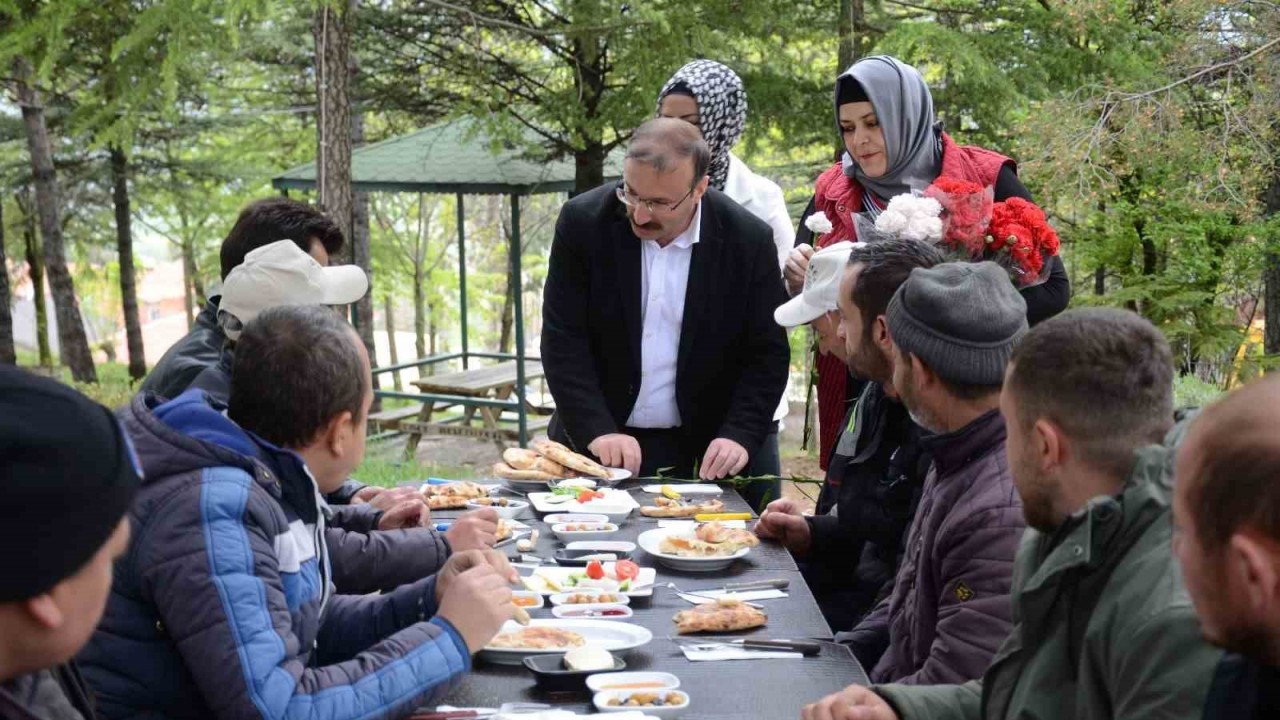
453,157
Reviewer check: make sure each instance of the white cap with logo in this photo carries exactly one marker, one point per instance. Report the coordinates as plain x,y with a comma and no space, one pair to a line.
282,274
821,287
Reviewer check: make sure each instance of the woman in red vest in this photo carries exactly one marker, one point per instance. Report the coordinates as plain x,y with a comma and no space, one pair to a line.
894,145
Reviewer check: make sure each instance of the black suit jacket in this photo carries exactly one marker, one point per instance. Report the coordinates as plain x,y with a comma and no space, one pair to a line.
733,358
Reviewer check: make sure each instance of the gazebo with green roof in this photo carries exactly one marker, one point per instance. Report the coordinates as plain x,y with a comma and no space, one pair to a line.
458,158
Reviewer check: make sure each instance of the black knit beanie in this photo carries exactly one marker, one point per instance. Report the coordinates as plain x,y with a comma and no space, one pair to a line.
67,475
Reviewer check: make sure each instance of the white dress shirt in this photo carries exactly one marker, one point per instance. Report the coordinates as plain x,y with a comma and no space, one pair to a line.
764,199
664,279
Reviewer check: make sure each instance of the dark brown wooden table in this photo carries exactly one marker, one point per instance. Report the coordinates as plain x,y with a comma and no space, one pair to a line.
772,689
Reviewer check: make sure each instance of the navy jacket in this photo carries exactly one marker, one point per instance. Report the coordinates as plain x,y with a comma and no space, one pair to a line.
223,607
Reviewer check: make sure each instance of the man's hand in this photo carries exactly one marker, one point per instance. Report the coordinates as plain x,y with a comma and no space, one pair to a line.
473,591
367,494
724,458
617,450
797,264
852,703
475,530
783,522
410,513
387,498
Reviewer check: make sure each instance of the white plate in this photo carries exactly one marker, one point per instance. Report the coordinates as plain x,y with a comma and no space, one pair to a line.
561,575
560,598
600,681
616,504
651,539
600,531
605,634
601,701
604,546
566,611
513,508
555,518
529,594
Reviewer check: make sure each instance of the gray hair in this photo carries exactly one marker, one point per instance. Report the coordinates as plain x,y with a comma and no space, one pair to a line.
662,142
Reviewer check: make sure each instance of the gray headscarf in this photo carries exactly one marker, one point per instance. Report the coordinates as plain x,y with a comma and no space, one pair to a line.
904,109
722,109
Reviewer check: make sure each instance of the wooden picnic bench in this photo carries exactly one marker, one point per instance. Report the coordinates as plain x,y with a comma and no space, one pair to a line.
492,382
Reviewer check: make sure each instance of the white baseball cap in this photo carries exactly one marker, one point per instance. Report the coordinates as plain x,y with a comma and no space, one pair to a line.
282,274
821,287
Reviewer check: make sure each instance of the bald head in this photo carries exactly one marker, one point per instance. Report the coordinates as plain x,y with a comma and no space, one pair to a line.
666,144
1229,465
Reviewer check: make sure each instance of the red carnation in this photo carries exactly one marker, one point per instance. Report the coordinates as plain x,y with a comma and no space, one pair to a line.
966,212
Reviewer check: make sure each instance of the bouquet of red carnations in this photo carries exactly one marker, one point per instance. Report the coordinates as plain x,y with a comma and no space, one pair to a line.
1013,233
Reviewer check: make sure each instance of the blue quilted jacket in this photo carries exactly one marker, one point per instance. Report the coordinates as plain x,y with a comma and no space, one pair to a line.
223,606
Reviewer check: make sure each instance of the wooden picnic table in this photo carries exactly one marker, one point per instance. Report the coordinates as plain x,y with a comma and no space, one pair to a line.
491,382
725,690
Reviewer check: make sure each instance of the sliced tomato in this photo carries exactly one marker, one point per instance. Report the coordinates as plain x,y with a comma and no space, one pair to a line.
595,570
626,570
589,495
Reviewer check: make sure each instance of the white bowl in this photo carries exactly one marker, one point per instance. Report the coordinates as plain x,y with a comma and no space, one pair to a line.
615,513
562,598
650,540
619,611
602,698
607,681
513,508
541,603
555,518
595,531
584,483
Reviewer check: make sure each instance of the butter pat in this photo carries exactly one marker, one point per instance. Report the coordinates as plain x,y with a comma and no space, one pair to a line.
588,658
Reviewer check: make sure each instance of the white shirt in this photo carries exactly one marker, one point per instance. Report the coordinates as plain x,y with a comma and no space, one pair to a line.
763,198
664,280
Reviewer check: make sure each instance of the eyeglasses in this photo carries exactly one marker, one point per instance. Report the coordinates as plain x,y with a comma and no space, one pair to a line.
632,200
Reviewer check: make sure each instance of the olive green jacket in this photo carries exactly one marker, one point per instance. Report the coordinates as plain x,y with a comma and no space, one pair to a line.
1103,626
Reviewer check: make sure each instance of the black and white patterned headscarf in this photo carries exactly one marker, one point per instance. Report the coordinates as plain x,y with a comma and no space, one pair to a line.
722,109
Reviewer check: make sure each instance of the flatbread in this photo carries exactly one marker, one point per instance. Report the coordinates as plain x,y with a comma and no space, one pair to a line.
570,459
672,509
723,615
506,472
505,529
529,460
710,540
453,495
538,638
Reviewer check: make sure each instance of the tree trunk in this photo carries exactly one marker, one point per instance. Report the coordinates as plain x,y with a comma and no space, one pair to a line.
588,168
360,251
849,28
1100,281
1271,273
189,295
74,345
333,131
588,52
389,320
128,277
419,311
8,353
35,268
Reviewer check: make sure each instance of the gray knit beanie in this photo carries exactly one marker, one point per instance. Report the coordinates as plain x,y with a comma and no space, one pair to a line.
961,319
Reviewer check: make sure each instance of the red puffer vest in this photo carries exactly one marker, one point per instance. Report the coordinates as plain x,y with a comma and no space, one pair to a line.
841,198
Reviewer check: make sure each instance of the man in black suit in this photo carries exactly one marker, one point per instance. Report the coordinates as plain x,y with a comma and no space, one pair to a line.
658,337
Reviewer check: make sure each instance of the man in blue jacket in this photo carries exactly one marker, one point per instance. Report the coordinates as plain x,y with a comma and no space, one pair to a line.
223,605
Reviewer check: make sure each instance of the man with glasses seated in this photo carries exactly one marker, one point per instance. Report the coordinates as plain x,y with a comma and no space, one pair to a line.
658,338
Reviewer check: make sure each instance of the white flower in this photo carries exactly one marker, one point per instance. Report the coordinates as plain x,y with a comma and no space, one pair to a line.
912,217
818,223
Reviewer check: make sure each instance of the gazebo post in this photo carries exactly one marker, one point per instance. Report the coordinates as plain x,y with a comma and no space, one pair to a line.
462,279
518,302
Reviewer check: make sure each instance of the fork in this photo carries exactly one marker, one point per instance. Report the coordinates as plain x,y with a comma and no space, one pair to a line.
675,587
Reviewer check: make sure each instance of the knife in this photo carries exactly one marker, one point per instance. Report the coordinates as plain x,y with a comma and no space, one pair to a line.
757,585
804,647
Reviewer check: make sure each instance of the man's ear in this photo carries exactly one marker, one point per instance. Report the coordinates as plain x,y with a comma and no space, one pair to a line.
880,334
337,434
45,611
1251,557
1051,445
